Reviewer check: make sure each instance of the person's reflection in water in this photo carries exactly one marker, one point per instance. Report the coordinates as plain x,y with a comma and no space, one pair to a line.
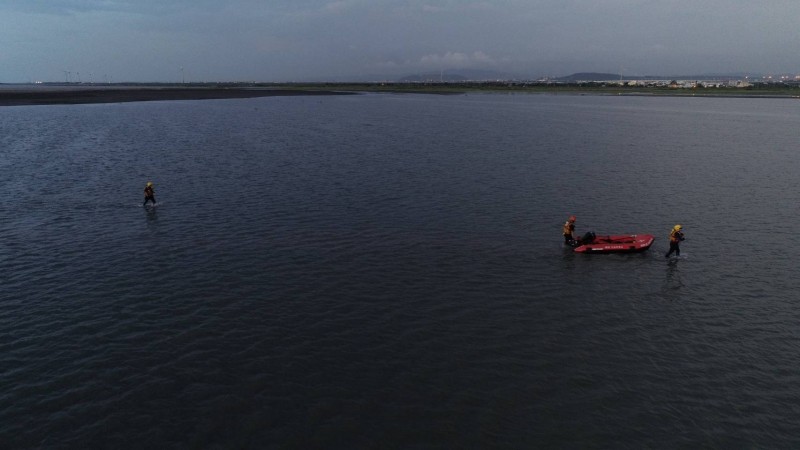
673,281
151,215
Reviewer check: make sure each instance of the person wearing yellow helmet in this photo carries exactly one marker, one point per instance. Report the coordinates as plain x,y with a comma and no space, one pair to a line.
675,238
568,229
149,194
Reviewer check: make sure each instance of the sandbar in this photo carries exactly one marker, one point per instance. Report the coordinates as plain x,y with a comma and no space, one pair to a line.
19,96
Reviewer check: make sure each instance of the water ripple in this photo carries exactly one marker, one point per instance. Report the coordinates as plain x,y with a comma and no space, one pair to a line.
361,272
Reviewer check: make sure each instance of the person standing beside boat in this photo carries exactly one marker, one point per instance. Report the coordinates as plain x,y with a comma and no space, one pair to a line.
675,238
568,229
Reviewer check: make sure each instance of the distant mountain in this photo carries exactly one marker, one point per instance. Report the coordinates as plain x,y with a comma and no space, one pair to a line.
432,77
466,75
590,76
595,76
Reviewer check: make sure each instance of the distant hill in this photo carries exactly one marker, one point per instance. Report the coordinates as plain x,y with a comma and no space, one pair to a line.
432,77
596,76
590,76
467,75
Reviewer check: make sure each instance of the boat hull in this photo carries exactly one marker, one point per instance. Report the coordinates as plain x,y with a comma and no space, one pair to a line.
628,243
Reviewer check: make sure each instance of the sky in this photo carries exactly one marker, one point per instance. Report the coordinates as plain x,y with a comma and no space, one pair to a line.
339,40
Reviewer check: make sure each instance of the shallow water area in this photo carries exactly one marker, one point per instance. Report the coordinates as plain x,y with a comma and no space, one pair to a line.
387,271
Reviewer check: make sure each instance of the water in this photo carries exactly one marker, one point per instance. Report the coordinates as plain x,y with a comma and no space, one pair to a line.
386,271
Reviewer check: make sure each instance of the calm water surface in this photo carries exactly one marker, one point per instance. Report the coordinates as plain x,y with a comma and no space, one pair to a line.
386,271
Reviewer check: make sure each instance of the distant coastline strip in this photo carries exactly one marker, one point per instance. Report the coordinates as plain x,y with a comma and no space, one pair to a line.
20,97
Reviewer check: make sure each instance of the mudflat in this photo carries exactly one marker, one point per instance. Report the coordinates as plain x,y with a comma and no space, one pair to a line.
50,96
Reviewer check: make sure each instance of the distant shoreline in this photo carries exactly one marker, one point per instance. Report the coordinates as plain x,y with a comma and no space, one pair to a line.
22,96
58,94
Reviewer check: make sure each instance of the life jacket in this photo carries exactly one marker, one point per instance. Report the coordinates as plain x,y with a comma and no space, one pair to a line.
675,236
148,191
569,227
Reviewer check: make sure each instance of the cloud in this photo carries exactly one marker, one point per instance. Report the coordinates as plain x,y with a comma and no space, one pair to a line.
456,59
337,6
292,38
459,7
432,9
444,61
140,7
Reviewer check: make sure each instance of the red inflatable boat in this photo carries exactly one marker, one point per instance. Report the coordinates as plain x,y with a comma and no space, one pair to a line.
628,243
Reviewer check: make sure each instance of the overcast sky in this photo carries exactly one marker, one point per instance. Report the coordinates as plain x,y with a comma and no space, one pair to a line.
298,40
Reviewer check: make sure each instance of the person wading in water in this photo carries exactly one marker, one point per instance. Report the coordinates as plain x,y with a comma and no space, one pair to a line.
675,238
568,229
149,194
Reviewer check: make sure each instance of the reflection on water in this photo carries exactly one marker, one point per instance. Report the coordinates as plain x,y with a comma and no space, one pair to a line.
673,280
151,213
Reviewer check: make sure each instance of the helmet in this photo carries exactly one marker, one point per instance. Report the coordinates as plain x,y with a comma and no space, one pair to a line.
677,227
572,218
149,183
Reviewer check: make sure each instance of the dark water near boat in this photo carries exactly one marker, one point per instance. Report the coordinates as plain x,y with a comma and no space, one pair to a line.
386,271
